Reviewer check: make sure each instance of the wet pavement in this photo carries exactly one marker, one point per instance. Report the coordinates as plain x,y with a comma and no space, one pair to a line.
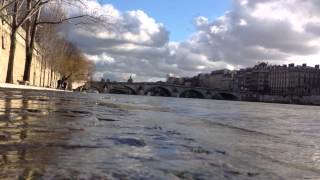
54,135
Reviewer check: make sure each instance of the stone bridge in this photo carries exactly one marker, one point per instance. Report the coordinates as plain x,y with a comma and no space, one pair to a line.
158,89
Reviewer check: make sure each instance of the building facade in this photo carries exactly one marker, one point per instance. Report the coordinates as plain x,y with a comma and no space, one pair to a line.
295,80
285,80
175,80
262,79
221,79
255,79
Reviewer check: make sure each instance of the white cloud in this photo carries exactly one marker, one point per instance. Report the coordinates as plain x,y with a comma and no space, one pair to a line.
101,59
279,31
273,30
201,21
243,22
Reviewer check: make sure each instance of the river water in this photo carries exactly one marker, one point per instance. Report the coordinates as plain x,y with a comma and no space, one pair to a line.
101,136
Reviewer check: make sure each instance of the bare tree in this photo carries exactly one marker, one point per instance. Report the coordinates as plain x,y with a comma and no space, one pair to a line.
31,29
55,16
72,63
27,13
65,57
4,4
20,14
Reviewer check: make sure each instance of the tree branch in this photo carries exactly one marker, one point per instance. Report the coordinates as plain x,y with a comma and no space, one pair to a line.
33,10
7,5
62,20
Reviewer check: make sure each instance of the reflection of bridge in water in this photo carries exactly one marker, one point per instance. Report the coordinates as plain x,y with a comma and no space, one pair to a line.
159,89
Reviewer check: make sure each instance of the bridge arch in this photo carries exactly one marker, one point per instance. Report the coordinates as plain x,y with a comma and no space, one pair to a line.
175,90
122,90
158,91
92,89
225,96
192,93
140,88
133,91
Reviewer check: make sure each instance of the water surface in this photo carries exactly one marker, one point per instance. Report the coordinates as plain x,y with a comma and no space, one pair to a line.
54,135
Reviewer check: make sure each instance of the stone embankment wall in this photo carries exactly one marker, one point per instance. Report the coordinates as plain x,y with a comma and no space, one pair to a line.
40,75
303,100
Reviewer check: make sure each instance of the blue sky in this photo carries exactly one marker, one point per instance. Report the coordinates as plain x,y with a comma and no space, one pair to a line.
176,15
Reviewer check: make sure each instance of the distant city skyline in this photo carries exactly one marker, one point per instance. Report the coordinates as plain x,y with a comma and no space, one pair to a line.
187,38
242,68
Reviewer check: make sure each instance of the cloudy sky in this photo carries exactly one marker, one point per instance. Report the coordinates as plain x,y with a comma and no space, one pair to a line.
150,39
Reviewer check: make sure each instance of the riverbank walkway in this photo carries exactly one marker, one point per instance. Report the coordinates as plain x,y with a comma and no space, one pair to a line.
26,87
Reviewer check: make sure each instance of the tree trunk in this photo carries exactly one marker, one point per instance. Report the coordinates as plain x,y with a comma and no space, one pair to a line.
51,74
27,65
48,78
30,40
13,44
9,78
44,74
41,67
27,69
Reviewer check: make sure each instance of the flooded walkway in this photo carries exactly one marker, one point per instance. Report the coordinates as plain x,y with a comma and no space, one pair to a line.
54,135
